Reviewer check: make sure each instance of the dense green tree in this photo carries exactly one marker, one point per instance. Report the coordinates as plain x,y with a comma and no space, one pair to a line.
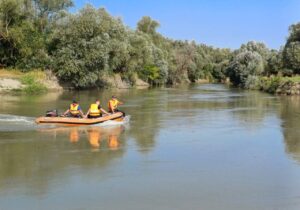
23,40
86,47
258,47
147,25
45,10
274,63
88,44
219,71
184,65
245,66
292,56
11,16
291,51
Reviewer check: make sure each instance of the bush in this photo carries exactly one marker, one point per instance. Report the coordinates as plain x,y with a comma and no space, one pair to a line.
270,84
28,79
150,73
286,72
252,82
245,64
32,85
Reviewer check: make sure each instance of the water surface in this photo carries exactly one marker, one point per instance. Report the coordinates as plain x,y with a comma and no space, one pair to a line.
196,147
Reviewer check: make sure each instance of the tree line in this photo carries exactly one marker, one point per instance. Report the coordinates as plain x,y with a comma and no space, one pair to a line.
85,47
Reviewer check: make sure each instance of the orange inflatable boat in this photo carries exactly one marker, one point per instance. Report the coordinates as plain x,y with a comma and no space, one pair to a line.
118,116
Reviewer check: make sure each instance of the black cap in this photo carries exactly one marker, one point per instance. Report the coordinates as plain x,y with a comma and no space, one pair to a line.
74,102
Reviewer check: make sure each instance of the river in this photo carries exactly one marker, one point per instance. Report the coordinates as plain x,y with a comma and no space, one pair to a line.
193,147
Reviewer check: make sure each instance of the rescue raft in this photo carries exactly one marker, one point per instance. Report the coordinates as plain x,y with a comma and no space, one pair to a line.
118,116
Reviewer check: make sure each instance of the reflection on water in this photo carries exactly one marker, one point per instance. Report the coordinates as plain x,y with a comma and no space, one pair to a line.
193,147
25,105
74,135
96,136
290,115
43,161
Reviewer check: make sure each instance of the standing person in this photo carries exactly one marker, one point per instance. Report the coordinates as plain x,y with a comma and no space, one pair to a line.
95,110
74,110
113,105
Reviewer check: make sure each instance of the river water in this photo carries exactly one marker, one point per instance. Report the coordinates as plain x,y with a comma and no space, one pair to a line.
196,147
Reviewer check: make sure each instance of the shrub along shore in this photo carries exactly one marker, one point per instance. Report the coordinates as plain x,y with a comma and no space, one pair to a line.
280,85
32,82
91,48
38,82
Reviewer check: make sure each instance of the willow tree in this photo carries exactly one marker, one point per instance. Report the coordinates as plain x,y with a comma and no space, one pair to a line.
10,19
291,51
87,44
148,25
244,69
23,40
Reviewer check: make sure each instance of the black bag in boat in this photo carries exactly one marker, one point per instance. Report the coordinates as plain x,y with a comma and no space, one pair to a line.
52,113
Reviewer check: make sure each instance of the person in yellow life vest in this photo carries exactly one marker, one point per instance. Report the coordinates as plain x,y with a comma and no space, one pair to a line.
95,110
74,110
113,105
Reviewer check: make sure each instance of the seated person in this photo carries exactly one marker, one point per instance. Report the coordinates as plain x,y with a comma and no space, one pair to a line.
74,110
95,110
113,105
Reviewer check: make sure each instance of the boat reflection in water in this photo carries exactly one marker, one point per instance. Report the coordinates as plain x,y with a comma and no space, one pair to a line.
74,135
97,137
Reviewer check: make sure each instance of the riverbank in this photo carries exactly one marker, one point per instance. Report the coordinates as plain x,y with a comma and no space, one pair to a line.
37,81
280,85
32,82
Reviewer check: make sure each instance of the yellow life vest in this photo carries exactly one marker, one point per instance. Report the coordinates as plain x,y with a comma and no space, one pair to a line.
113,103
74,109
94,110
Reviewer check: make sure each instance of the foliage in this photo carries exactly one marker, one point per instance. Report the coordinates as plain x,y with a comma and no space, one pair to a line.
147,25
245,64
23,34
81,47
292,56
270,84
274,63
292,79
32,83
257,47
291,52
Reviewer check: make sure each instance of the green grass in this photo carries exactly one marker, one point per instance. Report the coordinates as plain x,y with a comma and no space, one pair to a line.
292,79
271,84
32,83
32,80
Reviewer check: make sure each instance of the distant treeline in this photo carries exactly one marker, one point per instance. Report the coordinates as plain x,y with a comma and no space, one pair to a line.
82,48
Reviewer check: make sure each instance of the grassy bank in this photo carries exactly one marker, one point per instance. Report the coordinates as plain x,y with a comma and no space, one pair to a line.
37,82
30,83
280,85
11,73
33,82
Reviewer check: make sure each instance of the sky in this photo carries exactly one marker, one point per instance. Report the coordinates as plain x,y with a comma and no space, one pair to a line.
220,23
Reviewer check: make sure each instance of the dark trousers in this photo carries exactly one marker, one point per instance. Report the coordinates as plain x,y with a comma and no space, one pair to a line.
75,116
91,117
117,110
